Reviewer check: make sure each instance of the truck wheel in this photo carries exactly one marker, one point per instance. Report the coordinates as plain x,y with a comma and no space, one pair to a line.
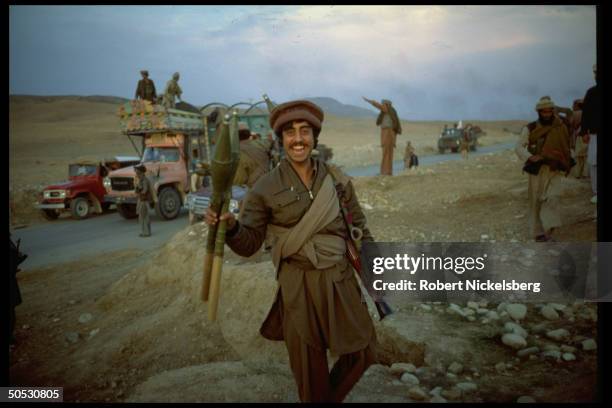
127,211
168,204
79,207
454,149
105,207
50,214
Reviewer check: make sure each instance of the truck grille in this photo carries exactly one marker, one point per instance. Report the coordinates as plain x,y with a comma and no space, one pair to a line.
122,183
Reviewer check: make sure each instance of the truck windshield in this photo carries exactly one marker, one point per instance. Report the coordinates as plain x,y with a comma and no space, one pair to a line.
81,170
161,154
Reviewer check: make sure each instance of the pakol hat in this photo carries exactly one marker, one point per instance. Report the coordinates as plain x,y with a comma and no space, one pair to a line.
545,102
140,168
296,110
144,72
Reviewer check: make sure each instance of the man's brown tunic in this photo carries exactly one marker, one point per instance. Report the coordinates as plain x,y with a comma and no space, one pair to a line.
324,305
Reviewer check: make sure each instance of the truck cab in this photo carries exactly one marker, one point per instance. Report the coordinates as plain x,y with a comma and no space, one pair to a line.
83,193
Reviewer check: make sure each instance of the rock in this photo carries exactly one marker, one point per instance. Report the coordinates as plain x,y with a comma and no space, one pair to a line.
85,318
527,351
554,354
589,344
468,312
421,371
408,378
525,399
25,327
557,306
492,315
484,237
455,368
471,319
511,327
467,386
437,399
558,334
72,337
568,349
425,307
436,391
93,332
482,311
401,368
513,340
417,393
568,356
452,394
517,311
56,319
501,307
451,376
549,347
500,367
549,313
473,305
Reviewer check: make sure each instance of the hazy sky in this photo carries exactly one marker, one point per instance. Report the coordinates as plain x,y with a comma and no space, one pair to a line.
433,62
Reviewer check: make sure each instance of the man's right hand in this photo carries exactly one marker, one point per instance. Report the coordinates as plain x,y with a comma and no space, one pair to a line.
211,218
535,158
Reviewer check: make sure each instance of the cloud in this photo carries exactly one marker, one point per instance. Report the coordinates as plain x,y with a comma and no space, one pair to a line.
423,57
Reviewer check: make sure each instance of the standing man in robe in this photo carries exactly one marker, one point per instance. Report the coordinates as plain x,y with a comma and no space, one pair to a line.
390,127
295,207
146,88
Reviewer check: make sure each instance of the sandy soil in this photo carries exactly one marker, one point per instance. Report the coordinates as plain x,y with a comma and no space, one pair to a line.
129,326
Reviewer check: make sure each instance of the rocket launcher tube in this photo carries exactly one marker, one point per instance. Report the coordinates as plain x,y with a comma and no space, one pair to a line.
223,169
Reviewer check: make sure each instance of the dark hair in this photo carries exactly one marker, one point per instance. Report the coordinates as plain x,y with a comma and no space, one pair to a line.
288,125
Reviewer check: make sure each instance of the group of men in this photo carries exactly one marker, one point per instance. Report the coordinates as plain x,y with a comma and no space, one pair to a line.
546,145
146,90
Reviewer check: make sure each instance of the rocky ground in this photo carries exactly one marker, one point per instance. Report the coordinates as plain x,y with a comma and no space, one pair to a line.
130,326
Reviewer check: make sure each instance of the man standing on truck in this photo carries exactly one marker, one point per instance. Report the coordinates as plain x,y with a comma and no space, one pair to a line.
390,127
544,146
318,305
145,199
146,88
172,90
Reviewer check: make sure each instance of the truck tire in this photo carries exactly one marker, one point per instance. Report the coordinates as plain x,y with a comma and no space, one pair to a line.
105,206
79,208
127,211
454,149
168,204
50,214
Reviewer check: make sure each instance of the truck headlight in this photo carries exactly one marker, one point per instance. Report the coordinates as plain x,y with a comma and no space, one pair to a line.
107,183
46,194
64,193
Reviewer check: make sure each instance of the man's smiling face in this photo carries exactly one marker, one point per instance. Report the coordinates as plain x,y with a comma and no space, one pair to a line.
298,140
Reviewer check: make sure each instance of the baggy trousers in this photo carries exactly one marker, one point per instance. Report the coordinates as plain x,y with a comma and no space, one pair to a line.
544,194
310,370
143,218
387,142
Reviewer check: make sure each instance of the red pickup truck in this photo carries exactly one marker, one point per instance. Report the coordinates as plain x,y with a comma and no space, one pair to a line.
83,193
